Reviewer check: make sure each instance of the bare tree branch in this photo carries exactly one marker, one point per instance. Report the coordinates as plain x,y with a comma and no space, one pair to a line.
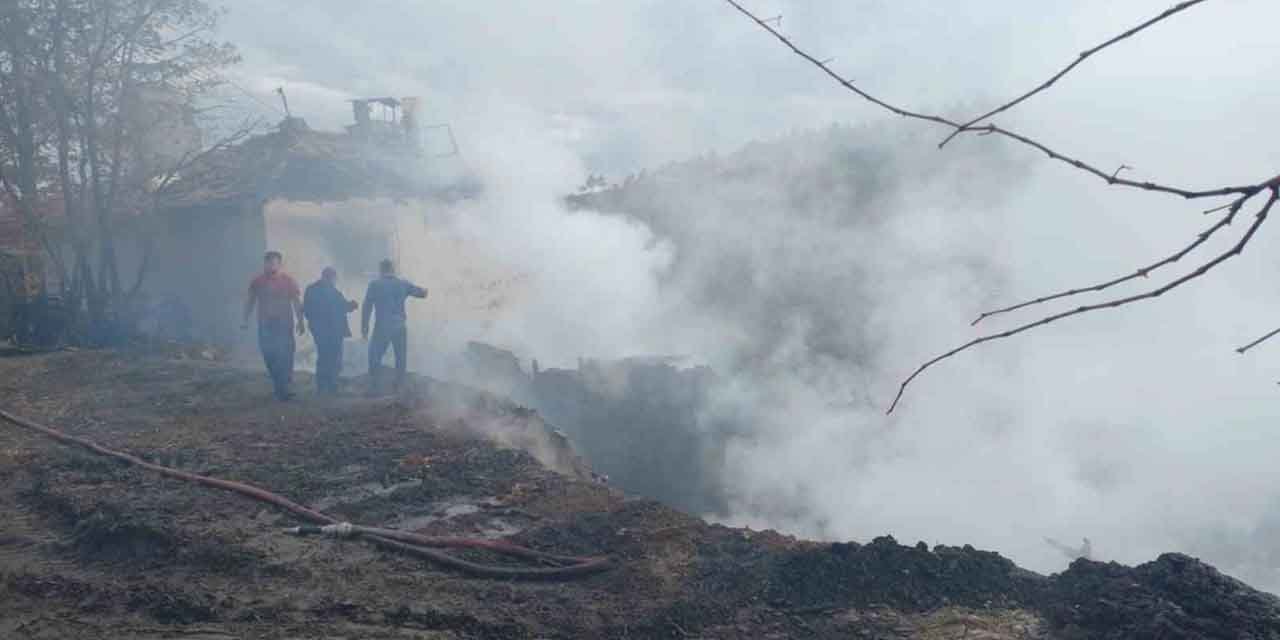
1109,178
1243,193
1232,209
1235,250
1178,8
247,127
764,24
1257,342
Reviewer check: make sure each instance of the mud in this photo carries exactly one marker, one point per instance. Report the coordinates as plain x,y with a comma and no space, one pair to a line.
90,548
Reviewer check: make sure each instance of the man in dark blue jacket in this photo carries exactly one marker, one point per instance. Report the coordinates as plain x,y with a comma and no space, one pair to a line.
386,296
326,311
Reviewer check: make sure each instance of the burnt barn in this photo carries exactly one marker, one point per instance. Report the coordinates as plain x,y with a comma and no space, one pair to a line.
322,198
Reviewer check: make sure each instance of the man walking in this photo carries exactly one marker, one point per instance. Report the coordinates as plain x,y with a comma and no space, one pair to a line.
386,296
326,310
276,297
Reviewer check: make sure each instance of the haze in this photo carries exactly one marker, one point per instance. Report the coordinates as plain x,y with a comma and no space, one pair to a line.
1139,428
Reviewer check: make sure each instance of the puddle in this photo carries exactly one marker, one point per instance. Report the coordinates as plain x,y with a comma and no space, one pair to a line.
451,511
493,527
437,512
362,492
498,528
440,511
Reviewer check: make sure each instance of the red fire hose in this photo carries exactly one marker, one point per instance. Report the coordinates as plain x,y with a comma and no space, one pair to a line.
411,543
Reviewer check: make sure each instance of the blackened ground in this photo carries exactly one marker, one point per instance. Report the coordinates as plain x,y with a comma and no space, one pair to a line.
638,420
1173,597
925,579
90,548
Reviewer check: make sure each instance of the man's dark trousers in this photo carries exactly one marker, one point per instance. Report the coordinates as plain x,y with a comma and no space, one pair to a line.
328,362
275,340
398,340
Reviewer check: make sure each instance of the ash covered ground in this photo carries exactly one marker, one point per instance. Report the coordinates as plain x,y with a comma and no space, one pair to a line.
91,548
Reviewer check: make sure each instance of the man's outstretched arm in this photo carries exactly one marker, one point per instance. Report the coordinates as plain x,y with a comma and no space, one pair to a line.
249,303
366,311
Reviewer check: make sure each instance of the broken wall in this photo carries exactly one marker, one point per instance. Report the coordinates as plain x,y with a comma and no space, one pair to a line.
637,420
205,257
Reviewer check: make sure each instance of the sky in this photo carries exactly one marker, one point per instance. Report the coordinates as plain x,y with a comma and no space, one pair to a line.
1139,427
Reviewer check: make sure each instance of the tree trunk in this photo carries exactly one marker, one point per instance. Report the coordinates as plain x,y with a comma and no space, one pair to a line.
143,267
24,141
60,100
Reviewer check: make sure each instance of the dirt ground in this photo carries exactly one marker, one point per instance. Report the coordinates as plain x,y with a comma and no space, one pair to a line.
90,548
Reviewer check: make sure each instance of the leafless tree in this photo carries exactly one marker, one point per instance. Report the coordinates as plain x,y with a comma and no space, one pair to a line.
72,75
1261,195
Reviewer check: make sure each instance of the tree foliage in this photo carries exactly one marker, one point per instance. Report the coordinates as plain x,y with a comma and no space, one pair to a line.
84,85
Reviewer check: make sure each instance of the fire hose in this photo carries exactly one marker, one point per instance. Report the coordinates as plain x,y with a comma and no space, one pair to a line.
562,567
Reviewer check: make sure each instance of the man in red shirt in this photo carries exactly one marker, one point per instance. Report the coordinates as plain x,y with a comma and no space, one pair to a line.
278,300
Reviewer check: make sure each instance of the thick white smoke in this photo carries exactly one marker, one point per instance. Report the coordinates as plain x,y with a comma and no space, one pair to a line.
1139,428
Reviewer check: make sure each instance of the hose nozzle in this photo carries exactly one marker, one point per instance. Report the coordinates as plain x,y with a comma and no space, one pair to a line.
340,530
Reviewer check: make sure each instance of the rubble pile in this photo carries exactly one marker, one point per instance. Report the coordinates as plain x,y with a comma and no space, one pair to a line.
1173,597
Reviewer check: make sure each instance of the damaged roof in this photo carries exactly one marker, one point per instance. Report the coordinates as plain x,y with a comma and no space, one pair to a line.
301,164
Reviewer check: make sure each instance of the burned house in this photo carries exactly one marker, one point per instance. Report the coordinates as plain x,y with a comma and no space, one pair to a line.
319,197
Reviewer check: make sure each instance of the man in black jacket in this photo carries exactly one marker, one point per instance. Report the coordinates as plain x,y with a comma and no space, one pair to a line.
326,311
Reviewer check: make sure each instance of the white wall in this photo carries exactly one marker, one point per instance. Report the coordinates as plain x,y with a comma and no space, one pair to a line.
468,289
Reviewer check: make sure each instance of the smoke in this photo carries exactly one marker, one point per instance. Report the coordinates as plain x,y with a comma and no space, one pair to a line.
579,272
814,276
